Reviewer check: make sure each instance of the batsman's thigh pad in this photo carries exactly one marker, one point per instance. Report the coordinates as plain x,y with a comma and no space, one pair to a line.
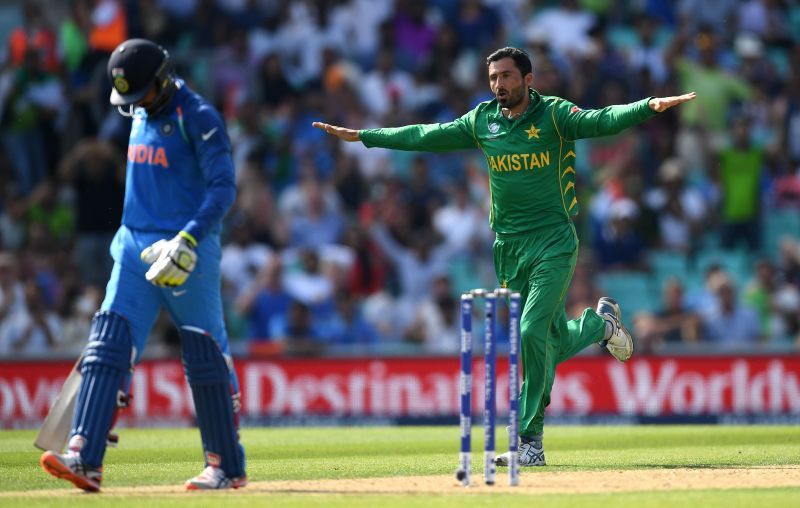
105,367
208,373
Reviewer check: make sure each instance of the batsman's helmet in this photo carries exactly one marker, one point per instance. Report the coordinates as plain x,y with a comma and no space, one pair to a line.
133,68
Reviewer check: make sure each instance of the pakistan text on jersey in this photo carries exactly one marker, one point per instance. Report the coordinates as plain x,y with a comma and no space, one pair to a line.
518,161
148,154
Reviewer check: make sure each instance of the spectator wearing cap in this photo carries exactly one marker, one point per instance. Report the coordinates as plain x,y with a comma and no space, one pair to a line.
680,209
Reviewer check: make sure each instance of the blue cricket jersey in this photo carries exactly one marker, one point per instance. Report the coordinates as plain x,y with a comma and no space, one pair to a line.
180,173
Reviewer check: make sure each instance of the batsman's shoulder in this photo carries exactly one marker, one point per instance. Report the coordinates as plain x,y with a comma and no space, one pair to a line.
203,122
199,110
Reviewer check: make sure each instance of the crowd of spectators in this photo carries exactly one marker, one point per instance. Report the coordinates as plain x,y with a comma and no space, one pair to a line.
332,247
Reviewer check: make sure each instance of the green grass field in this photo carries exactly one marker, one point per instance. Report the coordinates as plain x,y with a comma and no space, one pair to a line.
166,457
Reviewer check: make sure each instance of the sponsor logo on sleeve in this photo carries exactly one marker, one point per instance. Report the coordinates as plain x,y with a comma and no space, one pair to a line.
207,135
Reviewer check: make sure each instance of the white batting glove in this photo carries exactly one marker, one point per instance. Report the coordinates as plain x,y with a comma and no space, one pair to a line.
150,254
171,260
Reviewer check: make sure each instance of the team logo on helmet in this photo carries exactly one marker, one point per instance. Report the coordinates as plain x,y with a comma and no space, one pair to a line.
120,83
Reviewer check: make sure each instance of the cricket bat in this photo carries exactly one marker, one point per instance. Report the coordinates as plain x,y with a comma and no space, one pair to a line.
56,426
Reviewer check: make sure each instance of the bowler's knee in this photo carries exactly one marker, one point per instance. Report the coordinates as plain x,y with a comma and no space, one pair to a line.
533,330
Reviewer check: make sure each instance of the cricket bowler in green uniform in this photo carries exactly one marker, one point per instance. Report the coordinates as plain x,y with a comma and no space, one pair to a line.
528,141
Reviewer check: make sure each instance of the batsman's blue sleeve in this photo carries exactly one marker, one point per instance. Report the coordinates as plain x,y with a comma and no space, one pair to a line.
206,131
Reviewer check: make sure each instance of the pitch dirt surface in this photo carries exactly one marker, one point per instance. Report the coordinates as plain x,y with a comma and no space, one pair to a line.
562,482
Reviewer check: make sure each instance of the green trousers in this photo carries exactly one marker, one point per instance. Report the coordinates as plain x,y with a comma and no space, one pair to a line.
539,265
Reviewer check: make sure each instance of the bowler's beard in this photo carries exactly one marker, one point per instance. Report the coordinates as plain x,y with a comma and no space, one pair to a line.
512,98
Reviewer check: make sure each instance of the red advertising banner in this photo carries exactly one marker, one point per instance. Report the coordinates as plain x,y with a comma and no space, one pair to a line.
428,388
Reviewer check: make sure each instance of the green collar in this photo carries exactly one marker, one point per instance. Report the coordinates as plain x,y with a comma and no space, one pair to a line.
536,103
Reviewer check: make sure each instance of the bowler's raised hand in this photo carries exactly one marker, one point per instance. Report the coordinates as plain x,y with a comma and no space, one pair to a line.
340,132
659,104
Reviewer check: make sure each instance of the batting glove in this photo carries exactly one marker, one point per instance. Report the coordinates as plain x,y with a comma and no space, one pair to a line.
171,260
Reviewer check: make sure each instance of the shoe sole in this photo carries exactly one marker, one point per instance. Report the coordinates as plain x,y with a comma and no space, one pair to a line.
238,484
501,461
503,464
55,467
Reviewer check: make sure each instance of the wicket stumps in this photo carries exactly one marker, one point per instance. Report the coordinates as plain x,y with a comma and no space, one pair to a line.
490,379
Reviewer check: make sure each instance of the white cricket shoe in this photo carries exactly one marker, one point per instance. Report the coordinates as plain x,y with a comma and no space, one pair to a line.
528,455
620,343
214,478
70,467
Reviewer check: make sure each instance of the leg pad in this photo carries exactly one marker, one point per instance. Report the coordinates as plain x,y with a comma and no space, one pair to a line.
105,367
207,371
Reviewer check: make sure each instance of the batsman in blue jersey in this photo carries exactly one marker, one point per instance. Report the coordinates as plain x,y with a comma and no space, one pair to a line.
180,182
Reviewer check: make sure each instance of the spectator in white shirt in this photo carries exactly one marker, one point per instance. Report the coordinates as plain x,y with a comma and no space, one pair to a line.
460,221
386,85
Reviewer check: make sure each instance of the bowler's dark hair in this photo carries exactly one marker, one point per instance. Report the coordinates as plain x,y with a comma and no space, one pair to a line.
521,59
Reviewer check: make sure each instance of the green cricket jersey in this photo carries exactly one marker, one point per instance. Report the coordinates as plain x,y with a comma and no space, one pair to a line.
530,159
